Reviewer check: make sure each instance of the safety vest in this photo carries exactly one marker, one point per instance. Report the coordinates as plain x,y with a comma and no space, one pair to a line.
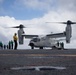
15,37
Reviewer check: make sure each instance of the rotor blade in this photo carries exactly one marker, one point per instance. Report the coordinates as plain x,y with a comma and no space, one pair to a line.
63,22
15,27
68,22
20,26
58,22
73,22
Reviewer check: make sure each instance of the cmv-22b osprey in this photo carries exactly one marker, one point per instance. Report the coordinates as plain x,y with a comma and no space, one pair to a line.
48,40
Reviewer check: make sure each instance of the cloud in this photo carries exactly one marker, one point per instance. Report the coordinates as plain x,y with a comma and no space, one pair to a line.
67,5
48,5
38,25
3,38
36,4
5,22
57,11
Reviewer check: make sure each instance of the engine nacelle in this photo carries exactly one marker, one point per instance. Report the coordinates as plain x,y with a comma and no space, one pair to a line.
20,37
68,33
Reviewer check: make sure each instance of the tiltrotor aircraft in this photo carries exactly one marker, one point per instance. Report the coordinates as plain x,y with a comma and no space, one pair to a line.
48,40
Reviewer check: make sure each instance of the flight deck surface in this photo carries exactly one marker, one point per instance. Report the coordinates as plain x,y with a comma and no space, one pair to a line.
38,62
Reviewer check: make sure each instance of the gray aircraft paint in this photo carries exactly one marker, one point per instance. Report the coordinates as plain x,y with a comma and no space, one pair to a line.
20,37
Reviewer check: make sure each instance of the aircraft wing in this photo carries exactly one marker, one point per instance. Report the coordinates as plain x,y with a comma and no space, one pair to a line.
29,36
58,35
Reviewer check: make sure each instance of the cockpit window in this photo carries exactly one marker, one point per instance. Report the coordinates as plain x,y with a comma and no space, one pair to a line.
35,39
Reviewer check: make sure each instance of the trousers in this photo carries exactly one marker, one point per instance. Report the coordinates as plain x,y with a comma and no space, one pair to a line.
15,44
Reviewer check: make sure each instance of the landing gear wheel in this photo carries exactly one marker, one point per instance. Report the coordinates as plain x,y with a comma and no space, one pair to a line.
41,47
32,47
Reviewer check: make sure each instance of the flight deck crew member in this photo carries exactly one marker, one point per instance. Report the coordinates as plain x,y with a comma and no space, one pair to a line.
11,44
15,41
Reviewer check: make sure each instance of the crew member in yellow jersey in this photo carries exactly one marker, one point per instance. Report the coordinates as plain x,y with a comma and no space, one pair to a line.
15,38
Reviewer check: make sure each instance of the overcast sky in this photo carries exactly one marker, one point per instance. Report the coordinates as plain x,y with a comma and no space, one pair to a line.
33,14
